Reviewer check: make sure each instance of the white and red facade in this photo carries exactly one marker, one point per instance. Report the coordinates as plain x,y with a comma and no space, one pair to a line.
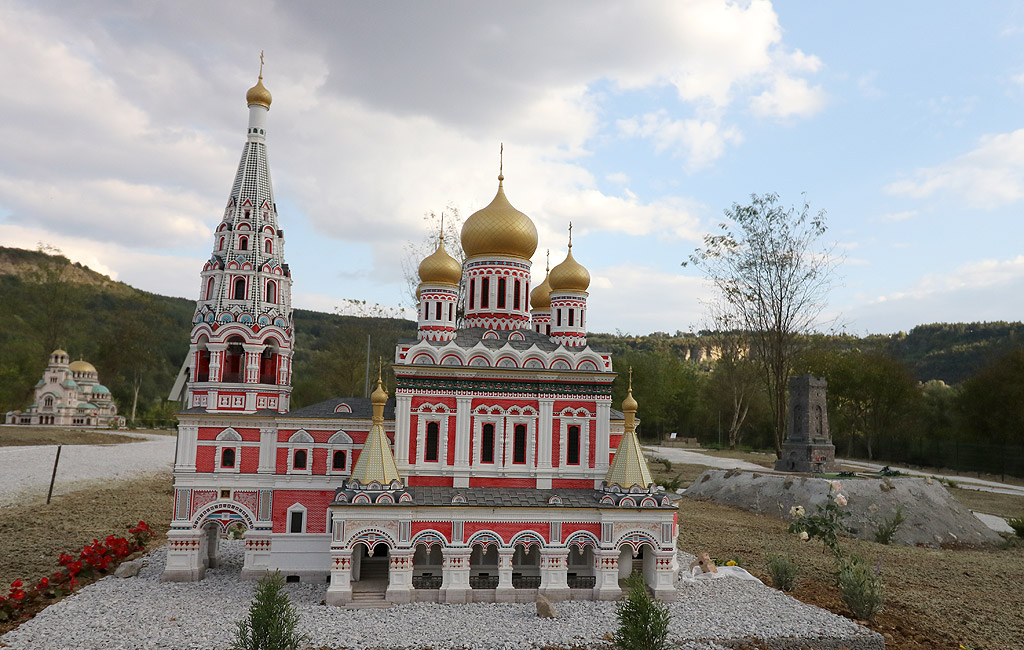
502,437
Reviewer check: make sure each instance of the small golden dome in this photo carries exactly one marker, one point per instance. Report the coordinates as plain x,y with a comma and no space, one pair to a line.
81,366
59,351
440,268
379,395
258,95
629,404
499,229
540,297
569,275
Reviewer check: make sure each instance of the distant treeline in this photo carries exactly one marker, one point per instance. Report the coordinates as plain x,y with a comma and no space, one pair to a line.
938,393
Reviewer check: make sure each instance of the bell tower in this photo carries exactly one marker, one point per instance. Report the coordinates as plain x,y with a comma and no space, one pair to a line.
242,333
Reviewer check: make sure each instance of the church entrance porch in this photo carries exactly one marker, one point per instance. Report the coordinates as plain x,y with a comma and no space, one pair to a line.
370,572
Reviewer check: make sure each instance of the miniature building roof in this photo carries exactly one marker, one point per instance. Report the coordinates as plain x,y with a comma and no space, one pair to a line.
502,497
376,462
361,409
629,467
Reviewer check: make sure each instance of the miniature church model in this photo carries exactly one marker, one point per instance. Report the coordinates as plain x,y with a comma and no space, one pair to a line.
69,394
497,471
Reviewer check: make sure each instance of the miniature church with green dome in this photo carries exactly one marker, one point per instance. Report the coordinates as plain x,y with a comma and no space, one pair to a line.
69,394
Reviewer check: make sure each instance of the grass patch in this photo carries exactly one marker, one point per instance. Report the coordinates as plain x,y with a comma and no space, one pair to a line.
764,459
33,536
17,436
1003,505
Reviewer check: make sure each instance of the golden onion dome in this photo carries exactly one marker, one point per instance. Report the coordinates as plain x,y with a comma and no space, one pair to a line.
440,268
540,297
258,94
379,396
499,229
81,366
629,404
59,351
570,275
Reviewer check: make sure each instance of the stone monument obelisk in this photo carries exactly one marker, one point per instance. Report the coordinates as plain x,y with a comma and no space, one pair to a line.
808,446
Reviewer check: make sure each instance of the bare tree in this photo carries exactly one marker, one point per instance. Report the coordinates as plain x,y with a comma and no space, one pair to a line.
772,275
414,252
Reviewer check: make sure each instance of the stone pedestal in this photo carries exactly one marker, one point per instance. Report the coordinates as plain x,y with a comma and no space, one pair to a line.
257,554
339,592
554,583
186,556
455,586
505,592
808,447
606,572
665,569
400,577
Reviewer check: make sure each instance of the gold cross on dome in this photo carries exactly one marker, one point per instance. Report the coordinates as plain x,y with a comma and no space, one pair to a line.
261,64
570,234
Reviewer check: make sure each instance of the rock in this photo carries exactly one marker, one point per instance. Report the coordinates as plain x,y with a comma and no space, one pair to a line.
704,562
928,480
128,569
545,608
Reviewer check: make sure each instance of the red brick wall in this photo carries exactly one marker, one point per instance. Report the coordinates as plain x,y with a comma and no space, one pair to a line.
315,502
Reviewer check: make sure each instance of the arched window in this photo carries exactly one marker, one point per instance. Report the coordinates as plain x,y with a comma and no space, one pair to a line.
271,292
485,293
430,452
516,301
472,293
437,311
519,445
338,460
220,246
268,247
300,459
501,293
572,451
209,289
48,401
239,289
227,457
487,444
243,243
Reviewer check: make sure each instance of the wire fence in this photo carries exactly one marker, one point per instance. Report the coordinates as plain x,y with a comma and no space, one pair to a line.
962,457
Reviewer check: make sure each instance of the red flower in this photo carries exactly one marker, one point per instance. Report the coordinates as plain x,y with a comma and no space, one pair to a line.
16,584
44,582
17,594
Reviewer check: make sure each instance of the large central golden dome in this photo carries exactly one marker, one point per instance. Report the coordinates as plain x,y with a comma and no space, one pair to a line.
499,229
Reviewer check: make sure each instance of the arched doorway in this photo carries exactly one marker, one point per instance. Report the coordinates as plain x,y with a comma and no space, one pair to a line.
483,566
640,561
370,569
580,567
427,566
526,566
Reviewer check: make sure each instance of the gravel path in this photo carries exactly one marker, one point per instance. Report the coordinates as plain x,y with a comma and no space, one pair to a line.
25,471
146,613
698,458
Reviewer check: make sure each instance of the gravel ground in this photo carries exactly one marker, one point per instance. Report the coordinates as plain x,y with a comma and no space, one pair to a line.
145,613
25,471
697,458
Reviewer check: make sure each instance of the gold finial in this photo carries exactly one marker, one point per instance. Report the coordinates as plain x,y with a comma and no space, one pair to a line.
440,236
631,379
380,365
570,234
547,264
501,162
261,64
258,94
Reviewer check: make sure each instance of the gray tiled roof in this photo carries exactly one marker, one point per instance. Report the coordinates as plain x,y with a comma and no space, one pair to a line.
505,497
361,407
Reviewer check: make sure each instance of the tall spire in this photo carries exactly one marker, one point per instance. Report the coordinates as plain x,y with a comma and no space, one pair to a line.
629,467
376,462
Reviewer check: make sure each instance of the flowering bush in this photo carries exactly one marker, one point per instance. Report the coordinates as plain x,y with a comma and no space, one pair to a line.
94,559
826,524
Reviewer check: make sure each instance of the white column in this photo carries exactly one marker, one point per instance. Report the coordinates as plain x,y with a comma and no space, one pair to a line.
463,405
339,592
545,424
505,593
257,554
268,449
185,555
251,374
216,361
603,434
665,569
403,409
188,434
606,571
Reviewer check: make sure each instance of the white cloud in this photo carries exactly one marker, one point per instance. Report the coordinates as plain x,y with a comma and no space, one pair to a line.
990,176
789,97
701,142
642,299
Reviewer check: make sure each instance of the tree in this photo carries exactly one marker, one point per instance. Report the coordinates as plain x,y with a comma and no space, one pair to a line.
450,223
272,620
734,379
643,622
772,276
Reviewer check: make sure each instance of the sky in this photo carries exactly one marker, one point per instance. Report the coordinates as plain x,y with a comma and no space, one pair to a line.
121,125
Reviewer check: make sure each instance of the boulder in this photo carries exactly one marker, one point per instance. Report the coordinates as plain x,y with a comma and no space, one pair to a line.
545,608
128,569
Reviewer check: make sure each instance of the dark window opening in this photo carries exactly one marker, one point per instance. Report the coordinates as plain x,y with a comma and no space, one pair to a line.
300,459
485,293
558,317
472,293
519,445
487,444
437,311
572,313
433,434
449,311
338,461
239,289
271,292
501,293
516,300
243,243
572,452
227,458
548,332
268,247
268,367
295,522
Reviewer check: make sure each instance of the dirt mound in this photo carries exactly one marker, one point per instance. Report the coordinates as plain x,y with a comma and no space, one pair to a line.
933,517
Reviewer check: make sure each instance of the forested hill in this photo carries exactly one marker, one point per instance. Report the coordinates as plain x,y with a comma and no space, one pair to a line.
138,340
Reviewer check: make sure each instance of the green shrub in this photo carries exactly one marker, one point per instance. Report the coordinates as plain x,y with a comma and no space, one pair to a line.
667,463
885,531
673,484
1017,524
783,571
860,587
272,619
643,622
